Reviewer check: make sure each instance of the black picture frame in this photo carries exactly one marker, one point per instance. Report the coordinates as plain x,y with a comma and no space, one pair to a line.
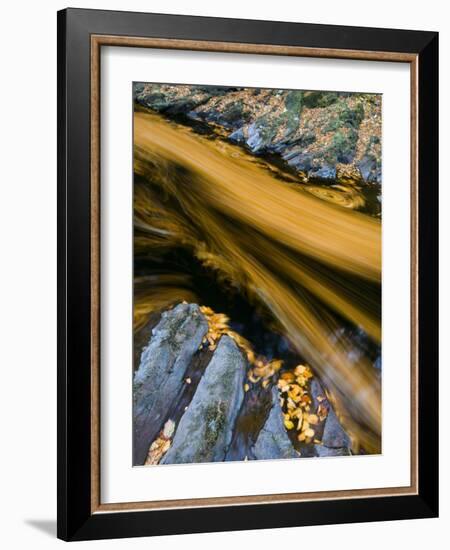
76,521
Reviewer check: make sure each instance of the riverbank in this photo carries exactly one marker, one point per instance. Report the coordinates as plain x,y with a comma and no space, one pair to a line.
323,136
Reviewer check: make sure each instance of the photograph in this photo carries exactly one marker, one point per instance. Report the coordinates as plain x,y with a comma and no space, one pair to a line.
257,265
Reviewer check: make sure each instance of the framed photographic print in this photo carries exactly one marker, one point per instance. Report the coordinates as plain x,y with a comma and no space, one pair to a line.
247,274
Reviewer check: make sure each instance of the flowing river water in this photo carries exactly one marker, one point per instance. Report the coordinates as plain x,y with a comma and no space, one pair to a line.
217,226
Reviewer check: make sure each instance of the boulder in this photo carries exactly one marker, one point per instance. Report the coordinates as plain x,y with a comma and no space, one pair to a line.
206,428
324,172
335,441
160,374
333,433
370,168
273,441
322,451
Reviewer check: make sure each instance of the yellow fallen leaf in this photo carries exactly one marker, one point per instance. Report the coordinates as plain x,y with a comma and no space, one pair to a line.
313,419
288,424
246,387
299,369
309,432
306,400
288,376
294,396
308,373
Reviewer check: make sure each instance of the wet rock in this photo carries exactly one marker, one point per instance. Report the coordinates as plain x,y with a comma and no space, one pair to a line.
325,172
317,392
206,428
138,88
258,137
300,161
273,441
237,136
322,451
333,433
335,441
163,364
370,168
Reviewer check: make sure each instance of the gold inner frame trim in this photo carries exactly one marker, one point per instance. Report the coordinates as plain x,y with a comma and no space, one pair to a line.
97,41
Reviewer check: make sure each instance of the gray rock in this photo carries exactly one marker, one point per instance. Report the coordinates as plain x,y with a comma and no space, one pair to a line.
254,138
157,381
291,153
324,172
335,441
300,161
273,441
322,451
333,433
237,136
138,88
205,430
316,391
370,168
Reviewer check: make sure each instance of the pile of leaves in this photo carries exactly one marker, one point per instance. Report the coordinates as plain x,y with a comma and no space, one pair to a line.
161,444
296,403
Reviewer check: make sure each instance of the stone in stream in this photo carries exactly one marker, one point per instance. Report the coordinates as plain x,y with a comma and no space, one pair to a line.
333,433
206,428
273,441
160,375
334,439
322,451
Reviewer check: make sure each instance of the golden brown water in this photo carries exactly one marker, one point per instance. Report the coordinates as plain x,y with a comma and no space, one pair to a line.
306,260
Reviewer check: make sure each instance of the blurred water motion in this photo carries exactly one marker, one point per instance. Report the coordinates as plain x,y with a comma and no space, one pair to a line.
311,263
